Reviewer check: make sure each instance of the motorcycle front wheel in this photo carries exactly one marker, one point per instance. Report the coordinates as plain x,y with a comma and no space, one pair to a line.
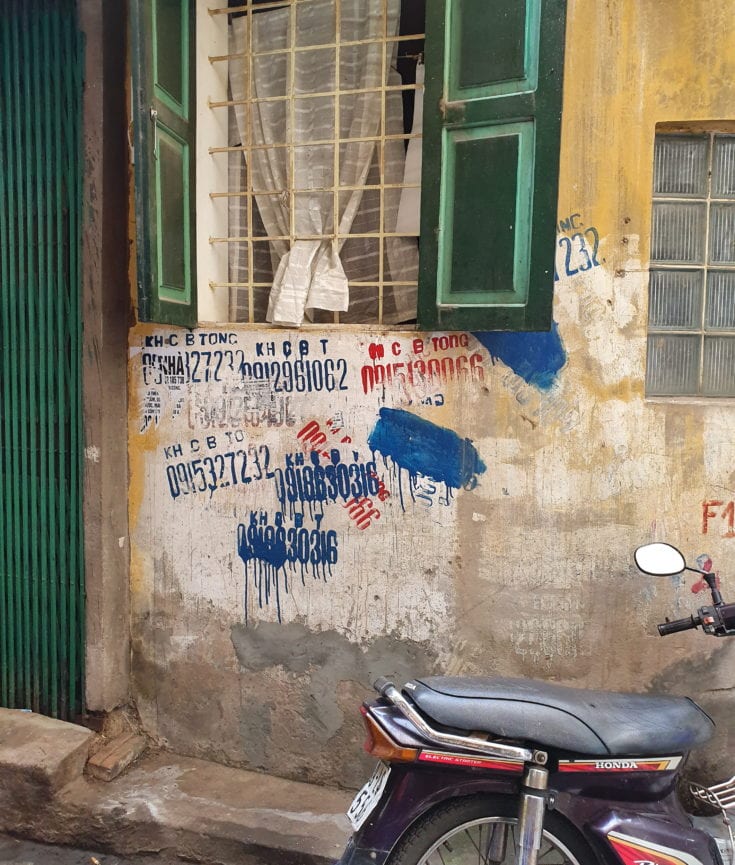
482,831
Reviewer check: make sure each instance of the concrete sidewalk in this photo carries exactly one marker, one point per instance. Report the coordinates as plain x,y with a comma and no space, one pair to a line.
166,803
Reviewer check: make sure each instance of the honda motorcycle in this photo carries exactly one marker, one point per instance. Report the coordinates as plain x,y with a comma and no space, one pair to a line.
518,772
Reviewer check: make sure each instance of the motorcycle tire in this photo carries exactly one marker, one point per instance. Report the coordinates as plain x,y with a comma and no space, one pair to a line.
470,825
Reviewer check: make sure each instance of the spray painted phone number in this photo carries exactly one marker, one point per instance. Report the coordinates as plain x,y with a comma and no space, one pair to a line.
212,473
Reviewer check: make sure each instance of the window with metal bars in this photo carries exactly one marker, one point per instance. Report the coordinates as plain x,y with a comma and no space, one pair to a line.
691,313
290,138
321,160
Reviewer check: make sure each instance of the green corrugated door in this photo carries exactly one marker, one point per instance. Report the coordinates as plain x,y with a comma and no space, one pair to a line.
41,561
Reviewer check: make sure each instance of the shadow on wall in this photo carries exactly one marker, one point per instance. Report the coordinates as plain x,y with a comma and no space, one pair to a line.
709,681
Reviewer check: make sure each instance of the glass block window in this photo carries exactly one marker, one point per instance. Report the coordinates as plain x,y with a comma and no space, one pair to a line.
691,312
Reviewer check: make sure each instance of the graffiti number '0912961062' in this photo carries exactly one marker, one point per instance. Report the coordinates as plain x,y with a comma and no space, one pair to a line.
299,376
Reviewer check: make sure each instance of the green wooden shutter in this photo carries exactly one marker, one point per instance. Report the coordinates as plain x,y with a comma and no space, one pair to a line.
164,160
491,163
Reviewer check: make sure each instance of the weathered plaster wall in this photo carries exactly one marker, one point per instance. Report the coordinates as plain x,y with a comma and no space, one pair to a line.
549,468
106,311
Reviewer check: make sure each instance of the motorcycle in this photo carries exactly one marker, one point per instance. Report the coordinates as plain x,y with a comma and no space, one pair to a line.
500,771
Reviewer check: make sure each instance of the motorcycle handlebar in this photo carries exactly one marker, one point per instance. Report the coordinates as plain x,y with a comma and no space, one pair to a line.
666,628
727,616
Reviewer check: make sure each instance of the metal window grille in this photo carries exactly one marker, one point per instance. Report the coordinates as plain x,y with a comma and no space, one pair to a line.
691,315
382,280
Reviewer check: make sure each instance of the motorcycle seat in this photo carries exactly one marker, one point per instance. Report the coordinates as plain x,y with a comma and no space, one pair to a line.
598,723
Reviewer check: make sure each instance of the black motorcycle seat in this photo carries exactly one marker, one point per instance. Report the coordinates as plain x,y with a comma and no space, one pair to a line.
598,723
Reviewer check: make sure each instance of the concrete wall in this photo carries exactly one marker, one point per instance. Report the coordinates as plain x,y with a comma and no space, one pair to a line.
553,468
106,310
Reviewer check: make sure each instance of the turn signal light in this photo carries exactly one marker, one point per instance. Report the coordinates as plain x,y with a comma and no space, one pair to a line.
379,744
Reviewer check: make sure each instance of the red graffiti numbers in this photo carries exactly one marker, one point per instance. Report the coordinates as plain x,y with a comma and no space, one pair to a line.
714,509
434,371
426,363
362,512
383,493
313,438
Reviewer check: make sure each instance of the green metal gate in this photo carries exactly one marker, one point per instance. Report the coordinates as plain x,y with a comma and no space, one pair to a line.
41,554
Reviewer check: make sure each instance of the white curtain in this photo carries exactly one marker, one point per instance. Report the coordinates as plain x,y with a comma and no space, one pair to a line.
310,273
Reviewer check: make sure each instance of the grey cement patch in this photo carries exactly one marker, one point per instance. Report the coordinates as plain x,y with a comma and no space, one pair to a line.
255,732
328,658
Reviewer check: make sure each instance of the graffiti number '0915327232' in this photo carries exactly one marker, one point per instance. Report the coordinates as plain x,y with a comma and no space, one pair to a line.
211,473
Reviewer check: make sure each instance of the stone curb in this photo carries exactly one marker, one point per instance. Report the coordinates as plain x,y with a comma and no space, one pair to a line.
190,808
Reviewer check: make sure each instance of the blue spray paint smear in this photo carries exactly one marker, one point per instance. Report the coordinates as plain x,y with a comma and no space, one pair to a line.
535,357
423,448
268,556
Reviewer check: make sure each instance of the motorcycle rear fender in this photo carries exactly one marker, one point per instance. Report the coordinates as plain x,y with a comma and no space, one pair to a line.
635,838
410,793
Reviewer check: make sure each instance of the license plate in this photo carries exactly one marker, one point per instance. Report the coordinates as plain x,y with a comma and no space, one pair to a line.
363,804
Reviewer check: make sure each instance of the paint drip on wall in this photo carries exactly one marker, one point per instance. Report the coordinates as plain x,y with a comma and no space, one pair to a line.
423,449
273,548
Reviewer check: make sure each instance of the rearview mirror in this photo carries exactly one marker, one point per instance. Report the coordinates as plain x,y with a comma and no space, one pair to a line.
659,560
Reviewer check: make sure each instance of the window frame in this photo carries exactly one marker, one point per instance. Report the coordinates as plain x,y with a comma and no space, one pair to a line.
537,102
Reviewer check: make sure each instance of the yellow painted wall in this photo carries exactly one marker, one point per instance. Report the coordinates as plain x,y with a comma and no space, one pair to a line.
528,573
